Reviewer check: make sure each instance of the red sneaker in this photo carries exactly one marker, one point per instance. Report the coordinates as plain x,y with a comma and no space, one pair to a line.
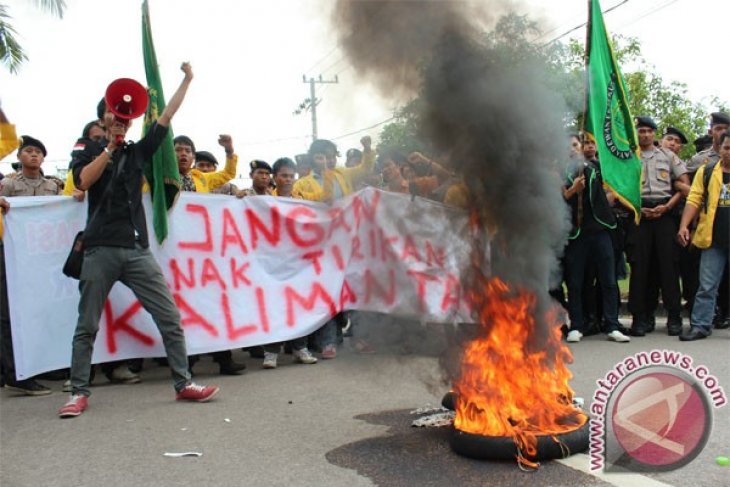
74,407
195,392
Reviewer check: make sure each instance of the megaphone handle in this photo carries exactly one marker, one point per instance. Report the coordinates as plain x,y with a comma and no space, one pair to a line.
119,140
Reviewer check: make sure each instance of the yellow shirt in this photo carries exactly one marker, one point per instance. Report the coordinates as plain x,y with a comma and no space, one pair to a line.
703,235
310,189
8,143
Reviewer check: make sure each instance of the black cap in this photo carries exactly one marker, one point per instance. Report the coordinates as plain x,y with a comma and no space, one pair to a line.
702,143
256,164
204,155
28,141
677,132
719,118
645,121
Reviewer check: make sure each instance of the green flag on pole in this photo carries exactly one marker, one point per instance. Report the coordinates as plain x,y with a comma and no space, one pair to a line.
608,119
162,175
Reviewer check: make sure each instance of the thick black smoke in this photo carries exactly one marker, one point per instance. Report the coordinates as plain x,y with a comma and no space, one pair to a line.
486,102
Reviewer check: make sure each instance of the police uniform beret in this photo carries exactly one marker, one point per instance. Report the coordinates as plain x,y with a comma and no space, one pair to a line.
15,166
28,141
645,122
256,164
719,118
204,155
702,143
677,132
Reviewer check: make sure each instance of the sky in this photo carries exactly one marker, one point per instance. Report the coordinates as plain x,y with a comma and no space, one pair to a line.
249,57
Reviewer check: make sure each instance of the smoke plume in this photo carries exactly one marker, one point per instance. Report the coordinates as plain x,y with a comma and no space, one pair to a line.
484,102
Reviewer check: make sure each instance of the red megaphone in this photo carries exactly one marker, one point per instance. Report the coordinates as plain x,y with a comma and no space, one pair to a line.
126,99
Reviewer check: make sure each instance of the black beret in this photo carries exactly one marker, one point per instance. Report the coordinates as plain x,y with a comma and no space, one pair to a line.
15,166
204,155
702,143
256,164
184,140
100,109
28,141
719,118
677,132
645,122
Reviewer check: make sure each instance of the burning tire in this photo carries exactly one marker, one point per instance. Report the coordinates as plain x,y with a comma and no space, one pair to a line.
549,447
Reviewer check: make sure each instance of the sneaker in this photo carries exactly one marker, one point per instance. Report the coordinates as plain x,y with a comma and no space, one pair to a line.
195,392
329,352
122,375
29,387
66,386
574,336
304,356
617,336
270,360
74,407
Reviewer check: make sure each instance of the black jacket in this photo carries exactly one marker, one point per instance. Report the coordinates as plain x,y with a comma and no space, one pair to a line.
599,209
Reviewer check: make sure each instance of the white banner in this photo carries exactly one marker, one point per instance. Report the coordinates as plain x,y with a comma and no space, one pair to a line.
242,272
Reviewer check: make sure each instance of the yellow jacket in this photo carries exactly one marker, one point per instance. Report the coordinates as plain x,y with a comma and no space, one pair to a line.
204,182
310,189
703,235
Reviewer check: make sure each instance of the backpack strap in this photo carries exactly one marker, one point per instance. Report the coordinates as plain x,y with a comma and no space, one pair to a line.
709,167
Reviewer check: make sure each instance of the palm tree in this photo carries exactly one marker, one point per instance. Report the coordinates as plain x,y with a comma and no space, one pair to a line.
11,52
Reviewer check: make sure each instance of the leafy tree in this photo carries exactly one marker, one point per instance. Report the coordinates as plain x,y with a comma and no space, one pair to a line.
12,54
649,94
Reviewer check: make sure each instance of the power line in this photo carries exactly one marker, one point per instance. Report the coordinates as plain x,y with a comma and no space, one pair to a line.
647,13
363,129
321,59
585,23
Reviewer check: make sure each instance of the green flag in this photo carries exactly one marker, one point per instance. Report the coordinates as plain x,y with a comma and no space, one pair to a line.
162,175
608,119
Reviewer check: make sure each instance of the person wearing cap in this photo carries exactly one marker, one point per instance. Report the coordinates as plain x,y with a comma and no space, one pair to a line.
193,179
260,180
673,139
116,248
353,157
206,162
719,124
28,182
709,199
326,184
653,238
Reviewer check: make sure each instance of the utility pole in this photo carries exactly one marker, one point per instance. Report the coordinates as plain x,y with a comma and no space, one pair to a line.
312,102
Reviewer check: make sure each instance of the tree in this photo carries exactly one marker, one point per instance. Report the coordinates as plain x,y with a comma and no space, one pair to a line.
12,54
649,94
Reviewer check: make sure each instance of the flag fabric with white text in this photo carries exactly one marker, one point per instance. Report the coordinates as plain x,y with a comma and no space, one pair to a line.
608,119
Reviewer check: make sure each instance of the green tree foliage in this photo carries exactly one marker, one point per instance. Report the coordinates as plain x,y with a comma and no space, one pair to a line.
665,101
12,54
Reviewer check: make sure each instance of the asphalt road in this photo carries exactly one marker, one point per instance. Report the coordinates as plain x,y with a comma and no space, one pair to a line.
343,422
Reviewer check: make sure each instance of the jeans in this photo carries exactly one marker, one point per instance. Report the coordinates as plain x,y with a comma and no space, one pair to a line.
598,248
138,270
712,263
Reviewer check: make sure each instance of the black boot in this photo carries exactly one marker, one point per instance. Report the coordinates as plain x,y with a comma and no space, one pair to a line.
721,321
229,367
650,323
674,325
638,327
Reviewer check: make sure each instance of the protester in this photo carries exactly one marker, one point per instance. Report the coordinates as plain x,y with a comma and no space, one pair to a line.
117,249
710,199
193,179
590,242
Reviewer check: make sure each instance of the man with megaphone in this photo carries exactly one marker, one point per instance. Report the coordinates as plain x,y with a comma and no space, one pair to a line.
116,244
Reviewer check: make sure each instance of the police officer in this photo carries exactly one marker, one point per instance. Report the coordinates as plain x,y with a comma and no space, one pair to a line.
28,182
654,236
261,180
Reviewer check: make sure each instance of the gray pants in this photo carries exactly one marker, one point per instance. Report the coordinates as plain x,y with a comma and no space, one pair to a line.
138,270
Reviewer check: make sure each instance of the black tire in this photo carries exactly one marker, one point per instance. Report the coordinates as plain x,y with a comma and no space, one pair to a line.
482,447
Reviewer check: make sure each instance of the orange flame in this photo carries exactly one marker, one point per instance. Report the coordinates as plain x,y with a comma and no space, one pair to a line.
508,385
